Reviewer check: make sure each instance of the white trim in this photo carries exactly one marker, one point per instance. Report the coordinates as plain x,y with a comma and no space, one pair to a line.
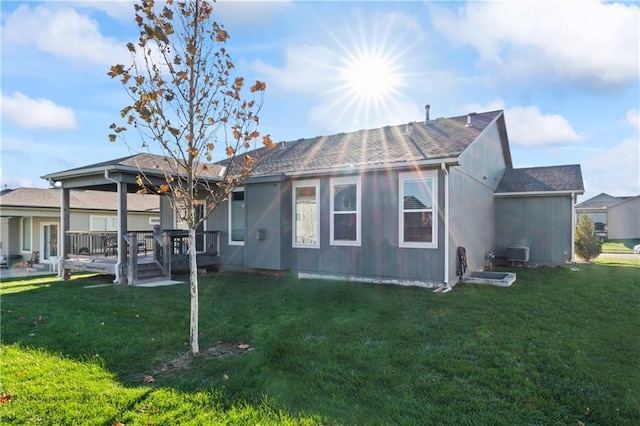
314,183
30,248
419,175
536,193
346,180
44,243
230,202
451,161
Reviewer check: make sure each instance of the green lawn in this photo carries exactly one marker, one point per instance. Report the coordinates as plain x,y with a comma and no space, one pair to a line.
558,347
619,246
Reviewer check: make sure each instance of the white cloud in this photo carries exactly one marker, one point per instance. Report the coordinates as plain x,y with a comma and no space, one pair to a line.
37,113
529,127
585,41
617,167
633,118
64,33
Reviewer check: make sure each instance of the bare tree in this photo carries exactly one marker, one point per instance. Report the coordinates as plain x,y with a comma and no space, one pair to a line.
185,101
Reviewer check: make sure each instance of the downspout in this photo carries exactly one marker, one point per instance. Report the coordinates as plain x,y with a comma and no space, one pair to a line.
119,262
445,170
574,200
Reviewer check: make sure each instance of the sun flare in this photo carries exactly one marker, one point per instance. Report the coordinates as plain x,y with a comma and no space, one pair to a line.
371,77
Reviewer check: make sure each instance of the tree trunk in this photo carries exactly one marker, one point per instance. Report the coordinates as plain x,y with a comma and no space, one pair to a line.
193,280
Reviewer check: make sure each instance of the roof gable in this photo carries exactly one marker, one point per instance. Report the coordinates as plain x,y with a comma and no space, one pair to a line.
542,179
600,201
78,199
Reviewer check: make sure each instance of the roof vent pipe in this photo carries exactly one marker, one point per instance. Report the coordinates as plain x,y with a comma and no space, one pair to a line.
469,120
427,108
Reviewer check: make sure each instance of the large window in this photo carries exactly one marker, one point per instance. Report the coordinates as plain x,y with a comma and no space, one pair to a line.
103,223
26,233
306,228
418,211
236,217
345,211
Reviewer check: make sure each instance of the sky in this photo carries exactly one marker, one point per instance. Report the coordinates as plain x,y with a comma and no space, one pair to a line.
566,74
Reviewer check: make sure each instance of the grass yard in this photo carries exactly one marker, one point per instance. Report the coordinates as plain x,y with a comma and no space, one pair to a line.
558,347
619,246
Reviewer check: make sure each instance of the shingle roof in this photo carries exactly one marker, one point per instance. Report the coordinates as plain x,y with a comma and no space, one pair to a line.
600,201
542,179
149,163
78,199
417,141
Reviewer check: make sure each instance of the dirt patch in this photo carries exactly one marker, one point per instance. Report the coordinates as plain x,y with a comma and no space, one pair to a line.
221,350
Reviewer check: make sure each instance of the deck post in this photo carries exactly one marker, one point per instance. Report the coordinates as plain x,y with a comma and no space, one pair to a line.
166,253
122,227
132,273
64,233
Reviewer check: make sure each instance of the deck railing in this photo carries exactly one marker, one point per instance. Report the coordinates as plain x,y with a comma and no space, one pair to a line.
105,244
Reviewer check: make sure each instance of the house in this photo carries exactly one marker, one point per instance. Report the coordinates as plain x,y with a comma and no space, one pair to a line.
390,205
624,219
30,219
596,208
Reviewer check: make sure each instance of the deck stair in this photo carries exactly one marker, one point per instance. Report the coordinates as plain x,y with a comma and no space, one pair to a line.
150,271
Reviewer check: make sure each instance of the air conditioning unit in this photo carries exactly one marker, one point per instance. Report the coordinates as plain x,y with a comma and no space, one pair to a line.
518,254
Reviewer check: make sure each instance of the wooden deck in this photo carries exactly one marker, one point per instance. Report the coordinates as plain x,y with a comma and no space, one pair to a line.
159,256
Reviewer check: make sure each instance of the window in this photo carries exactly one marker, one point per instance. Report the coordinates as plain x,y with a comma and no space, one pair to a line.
418,215
306,227
236,217
26,234
345,211
103,223
155,220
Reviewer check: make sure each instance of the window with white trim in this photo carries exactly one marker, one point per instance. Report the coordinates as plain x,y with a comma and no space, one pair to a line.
26,234
236,217
306,211
418,202
103,223
345,211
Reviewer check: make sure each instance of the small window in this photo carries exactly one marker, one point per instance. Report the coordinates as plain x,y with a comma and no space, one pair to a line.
155,220
236,217
306,228
26,234
418,214
345,211
103,223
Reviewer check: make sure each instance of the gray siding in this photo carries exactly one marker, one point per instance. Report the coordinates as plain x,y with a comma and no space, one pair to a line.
541,223
267,210
624,220
472,220
379,255
166,214
471,201
232,256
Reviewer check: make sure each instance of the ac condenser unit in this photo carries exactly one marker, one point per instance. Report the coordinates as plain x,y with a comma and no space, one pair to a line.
518,254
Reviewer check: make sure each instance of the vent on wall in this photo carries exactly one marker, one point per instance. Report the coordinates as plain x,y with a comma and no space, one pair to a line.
518,254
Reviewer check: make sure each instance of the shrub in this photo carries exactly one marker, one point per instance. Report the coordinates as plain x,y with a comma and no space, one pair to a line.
588,244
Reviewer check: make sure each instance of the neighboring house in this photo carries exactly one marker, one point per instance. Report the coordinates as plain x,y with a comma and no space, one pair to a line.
624,219
392,204
596,208
31,219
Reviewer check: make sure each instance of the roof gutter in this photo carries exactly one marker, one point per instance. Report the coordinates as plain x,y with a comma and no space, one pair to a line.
449,161
537,193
